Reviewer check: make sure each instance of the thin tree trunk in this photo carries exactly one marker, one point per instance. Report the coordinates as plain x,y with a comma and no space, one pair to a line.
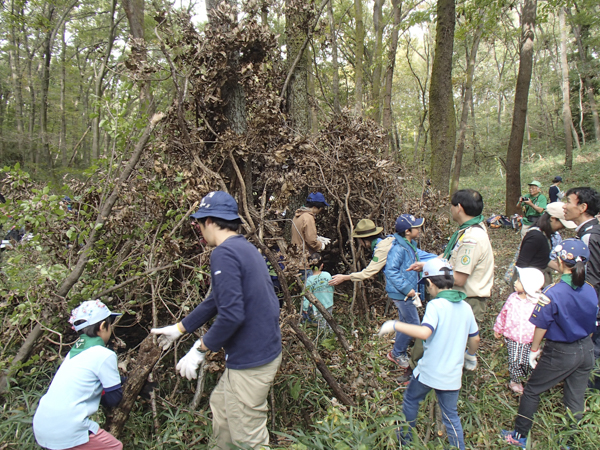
99,83
377,63
442,119
466,105
515,145
335,79
62,142
389,73
15,72
566,110
581,110
586,75
45,86
358,58
314,128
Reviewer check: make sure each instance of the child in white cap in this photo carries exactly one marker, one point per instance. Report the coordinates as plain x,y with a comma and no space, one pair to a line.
513,324
87,377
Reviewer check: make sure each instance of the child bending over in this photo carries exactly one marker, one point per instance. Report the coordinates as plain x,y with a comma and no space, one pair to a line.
87,377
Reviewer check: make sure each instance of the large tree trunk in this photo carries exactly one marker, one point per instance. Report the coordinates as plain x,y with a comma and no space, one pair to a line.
466,105
515,144
99,83
378,28
441,103
297,93
587,74
335,79
358,58
134,9
566,110
389,73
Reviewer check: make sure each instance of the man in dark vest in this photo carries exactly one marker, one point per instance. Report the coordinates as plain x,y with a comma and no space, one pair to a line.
583,204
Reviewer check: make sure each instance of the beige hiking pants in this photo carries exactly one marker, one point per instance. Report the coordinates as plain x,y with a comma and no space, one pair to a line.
239,406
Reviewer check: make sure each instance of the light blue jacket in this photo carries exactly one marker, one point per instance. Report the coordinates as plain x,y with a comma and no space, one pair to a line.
399,282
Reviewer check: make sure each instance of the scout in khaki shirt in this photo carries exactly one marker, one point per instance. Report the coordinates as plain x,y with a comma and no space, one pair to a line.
471,257
369,237
470,252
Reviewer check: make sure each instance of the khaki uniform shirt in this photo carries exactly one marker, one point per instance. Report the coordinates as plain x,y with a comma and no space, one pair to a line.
378,261
473,256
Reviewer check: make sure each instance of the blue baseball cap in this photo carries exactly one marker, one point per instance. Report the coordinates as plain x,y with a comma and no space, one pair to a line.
572,251
217,204
317,197
408,221
433,268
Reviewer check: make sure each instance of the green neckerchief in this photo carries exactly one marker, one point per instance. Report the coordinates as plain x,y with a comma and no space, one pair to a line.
84,342
414,247
568,278
451,295
452,242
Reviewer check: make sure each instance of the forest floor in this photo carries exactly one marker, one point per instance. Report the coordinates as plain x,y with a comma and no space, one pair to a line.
305,417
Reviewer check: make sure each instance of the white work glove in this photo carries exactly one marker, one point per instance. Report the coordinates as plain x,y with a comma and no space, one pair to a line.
324,241
188,365
470,361
167,335
533,357
387,328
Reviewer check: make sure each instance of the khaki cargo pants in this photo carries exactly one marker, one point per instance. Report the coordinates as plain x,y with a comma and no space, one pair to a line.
239,406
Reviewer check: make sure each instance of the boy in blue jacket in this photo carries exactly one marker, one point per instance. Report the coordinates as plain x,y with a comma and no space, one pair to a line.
401,285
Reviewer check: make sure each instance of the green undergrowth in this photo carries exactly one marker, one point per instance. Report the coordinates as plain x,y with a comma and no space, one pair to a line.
304,415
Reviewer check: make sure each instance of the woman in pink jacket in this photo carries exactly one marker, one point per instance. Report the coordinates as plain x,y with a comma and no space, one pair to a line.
513,323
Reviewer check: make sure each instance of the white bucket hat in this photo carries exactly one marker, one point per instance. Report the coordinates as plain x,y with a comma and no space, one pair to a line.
532,280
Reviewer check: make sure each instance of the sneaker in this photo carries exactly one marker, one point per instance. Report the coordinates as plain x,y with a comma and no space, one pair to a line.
392,358
508,436
404,379
517,388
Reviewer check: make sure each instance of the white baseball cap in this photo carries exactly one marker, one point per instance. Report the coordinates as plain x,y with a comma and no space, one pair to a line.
433,268
91,312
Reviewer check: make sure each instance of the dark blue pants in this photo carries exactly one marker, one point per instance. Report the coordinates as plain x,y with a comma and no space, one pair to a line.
568,362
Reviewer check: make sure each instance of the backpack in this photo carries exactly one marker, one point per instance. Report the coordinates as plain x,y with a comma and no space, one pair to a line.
499,221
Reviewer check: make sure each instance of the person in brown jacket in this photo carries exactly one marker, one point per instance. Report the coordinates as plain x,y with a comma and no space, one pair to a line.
304,229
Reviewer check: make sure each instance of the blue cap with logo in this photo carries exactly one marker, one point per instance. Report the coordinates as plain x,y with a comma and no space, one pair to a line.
433,268
217,204
317,197
572,251
408,221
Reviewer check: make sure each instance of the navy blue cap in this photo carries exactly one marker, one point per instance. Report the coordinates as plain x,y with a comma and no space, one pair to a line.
406,222
572,251
317,197
557,178
217,204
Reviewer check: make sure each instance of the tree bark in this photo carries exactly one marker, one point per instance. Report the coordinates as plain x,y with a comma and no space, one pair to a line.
585,73
358,58
146,359
515,144
62,144
296,28
99,83
466,105
389,73
15,73
134,10
442,119
378,28
335,78
566,110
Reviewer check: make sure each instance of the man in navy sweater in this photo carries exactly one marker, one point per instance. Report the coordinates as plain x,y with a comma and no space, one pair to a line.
246,327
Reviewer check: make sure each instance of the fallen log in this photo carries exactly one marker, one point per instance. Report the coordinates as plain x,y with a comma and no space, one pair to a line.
148,356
